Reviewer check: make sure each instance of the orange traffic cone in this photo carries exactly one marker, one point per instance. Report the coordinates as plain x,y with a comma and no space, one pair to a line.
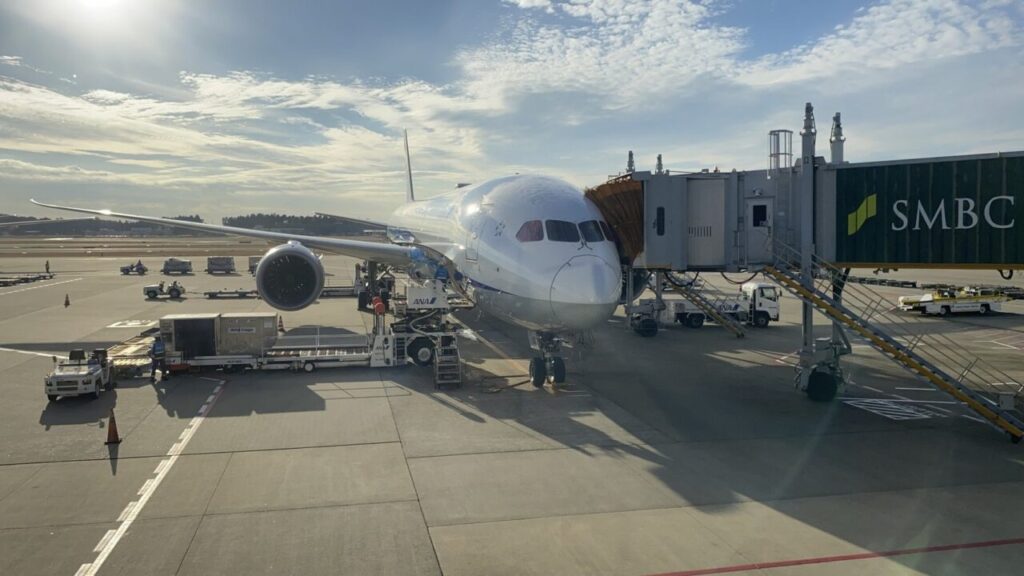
280,324
112,435
67,301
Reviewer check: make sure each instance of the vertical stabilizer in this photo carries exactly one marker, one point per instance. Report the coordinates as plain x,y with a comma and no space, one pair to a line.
409,196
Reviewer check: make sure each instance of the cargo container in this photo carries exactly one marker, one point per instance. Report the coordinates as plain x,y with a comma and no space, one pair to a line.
190,335
961,212
246,332
224,264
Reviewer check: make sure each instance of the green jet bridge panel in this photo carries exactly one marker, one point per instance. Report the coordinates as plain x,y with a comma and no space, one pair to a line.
957,212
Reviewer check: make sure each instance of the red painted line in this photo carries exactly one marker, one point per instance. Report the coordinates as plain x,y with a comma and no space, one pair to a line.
842,558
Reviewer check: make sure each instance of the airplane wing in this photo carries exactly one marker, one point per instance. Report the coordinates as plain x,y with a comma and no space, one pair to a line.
367,224
375,251
36,222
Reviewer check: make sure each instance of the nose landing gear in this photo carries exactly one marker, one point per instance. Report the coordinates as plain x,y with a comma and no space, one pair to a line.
550,366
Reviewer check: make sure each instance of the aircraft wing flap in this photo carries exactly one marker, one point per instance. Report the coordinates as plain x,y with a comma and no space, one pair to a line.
376,251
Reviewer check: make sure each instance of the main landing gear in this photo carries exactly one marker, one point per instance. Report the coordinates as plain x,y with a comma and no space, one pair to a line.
549,366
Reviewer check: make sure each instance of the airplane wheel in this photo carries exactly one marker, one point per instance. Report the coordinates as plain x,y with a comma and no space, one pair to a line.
558,370
537,372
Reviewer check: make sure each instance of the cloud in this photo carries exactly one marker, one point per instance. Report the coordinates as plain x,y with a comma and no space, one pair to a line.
891,35
563,87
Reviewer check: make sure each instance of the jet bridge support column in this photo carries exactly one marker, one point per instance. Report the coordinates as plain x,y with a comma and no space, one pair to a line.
820,373
806,188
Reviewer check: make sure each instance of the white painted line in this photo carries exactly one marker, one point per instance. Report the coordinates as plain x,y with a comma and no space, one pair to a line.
975,418
210,399
31,353
202,409
143,489
1011,347
127,510
901,400
39,286
131,512
210,379
175,450
161,466
103,541
917,389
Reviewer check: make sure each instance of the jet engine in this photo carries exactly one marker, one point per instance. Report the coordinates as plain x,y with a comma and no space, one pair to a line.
290,277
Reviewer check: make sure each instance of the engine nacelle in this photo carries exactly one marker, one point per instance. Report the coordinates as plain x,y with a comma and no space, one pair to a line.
290,277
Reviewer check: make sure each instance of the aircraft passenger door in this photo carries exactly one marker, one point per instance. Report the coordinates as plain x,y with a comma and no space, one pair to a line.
759,229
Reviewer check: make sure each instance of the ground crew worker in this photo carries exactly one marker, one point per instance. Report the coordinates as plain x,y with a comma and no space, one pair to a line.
158,352
47,266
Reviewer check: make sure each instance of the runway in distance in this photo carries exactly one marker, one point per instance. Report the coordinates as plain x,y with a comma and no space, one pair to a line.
530,250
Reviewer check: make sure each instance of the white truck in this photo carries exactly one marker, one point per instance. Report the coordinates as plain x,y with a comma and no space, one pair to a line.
756,304
950,301
78,375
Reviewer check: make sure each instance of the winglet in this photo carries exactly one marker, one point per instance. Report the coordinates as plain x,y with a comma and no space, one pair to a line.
409,196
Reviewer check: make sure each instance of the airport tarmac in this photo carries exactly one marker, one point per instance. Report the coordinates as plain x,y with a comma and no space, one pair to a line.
687,453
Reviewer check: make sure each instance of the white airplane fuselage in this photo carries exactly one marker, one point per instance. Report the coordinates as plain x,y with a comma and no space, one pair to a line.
568,279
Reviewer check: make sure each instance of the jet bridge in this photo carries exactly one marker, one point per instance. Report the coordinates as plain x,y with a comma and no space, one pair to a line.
806,223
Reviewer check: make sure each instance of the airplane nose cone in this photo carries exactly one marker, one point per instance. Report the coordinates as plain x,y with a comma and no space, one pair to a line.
585,291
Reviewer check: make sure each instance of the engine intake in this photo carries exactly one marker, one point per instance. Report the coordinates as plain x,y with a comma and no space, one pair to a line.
290,277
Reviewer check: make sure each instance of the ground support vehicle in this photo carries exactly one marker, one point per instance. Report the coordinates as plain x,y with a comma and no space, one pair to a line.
757,304
137,268
339,291
240,293
24,279
421,335
177,266
78,375
254,262
944,302
220,264
153,291
130,359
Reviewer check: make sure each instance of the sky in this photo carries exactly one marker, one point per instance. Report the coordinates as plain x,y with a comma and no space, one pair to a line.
170,107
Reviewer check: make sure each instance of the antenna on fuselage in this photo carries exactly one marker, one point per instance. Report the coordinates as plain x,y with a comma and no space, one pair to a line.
409,196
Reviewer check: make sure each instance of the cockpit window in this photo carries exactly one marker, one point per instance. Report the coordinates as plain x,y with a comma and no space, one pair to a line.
532,231
562,231
607,231
591,231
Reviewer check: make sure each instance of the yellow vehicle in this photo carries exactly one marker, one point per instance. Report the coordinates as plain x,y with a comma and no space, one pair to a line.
949,301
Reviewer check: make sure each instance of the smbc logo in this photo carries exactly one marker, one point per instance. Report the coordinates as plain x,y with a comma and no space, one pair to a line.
963,214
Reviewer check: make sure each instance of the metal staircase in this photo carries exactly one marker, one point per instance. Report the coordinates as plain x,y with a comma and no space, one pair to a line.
447,362
711,308
906,340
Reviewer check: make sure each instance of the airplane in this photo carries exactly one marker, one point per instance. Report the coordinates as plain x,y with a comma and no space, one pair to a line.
530,250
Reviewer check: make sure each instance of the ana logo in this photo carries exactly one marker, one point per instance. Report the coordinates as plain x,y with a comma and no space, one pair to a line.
422,301
867,209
